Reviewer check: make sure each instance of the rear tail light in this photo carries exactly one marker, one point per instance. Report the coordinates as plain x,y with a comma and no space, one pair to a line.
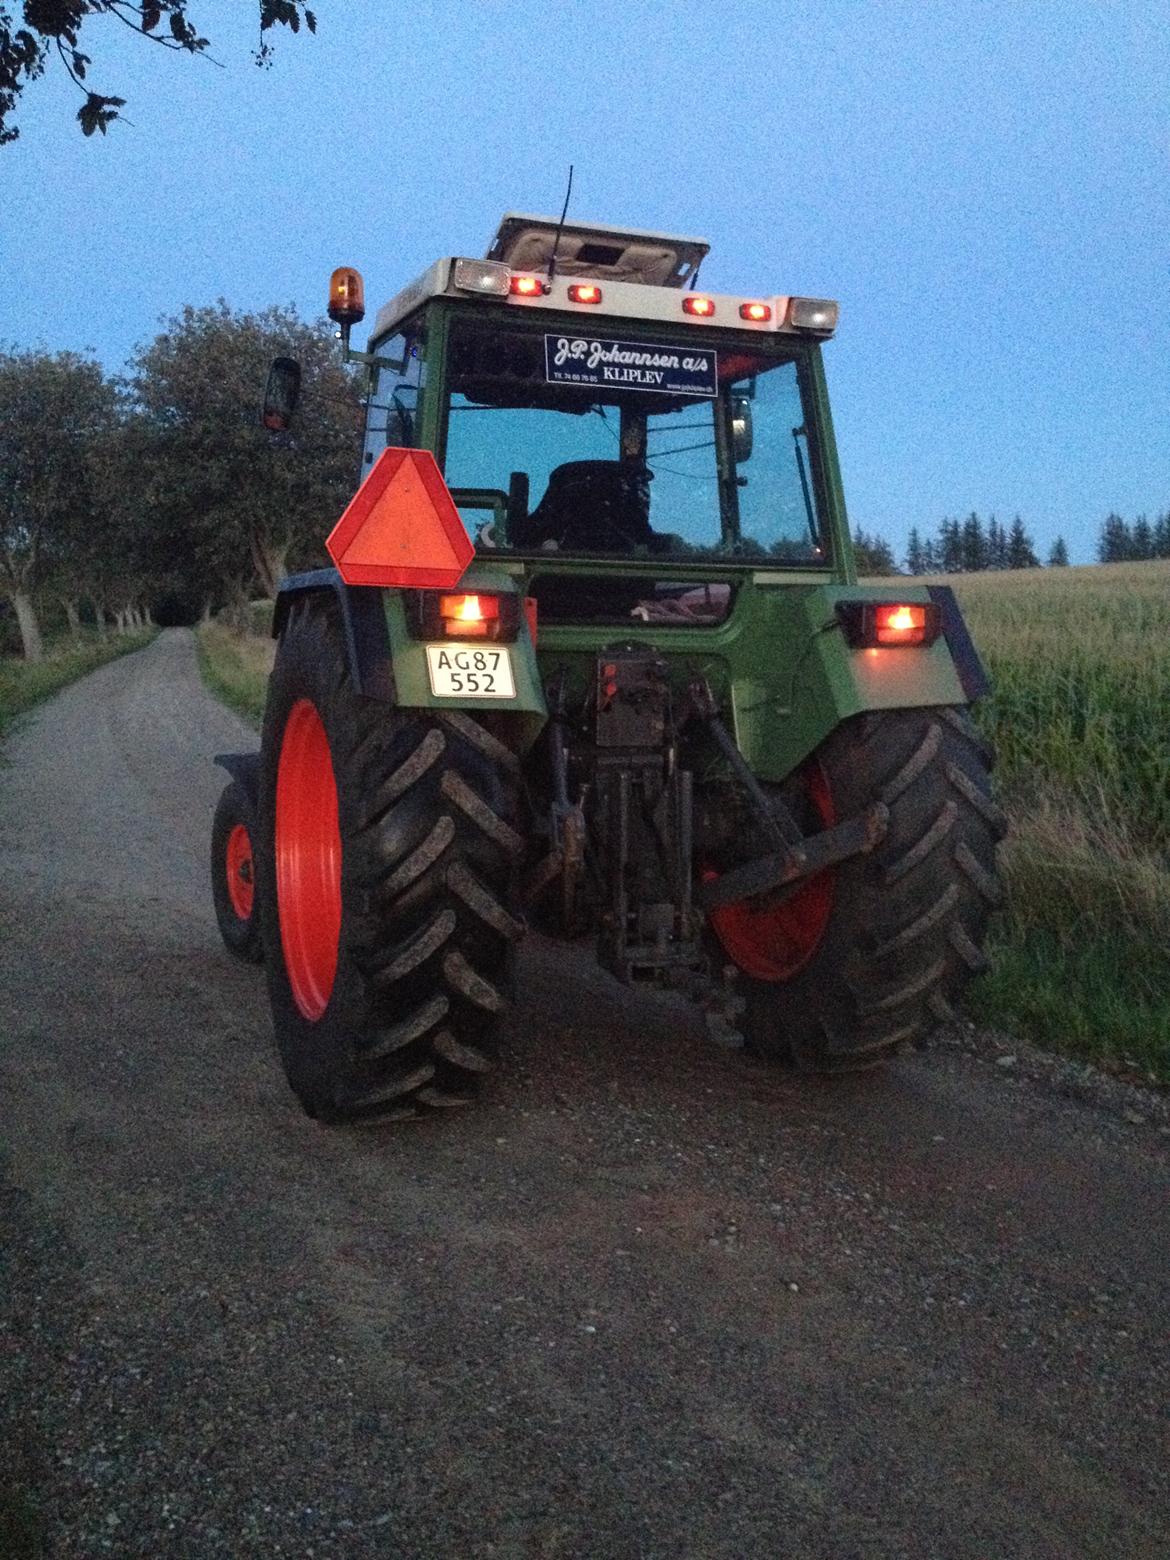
755,311
471,612
432,614
526,287
876,624
584,292
696,303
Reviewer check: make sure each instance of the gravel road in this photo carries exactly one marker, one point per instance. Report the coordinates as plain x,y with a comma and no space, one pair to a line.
650,1299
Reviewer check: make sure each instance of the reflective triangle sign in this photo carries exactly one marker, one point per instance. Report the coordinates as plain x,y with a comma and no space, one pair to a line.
401,527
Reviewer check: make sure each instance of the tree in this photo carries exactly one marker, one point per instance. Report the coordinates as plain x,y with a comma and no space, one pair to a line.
874,554
973,545
950,547
1058,556
997,545
53,27
229,500
914,557
54,411
1162,536
1142,544
1021,551
1115,544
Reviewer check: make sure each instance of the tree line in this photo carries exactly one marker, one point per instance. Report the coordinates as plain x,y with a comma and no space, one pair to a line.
1120,542
958,547
119,491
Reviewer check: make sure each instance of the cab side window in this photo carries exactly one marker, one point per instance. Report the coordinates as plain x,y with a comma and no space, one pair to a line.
392,413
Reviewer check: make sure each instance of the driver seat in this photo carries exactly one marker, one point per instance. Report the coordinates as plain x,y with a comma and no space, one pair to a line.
591,506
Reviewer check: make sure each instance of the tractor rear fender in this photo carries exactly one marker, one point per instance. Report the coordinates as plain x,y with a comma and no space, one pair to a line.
787,704
388,662
244,768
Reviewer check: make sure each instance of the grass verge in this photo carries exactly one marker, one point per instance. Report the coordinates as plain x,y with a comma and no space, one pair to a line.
25,683
1080,668
235,667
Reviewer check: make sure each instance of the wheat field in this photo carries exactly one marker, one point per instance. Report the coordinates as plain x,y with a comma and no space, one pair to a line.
1080,717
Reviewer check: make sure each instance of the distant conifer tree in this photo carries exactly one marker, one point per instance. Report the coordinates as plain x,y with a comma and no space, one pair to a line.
1115,544
1143,539
1058,557
1162,536
950,547
873,554
1021,552
973,545
914,559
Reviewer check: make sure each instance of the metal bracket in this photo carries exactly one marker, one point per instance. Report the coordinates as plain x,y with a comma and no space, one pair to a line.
785,870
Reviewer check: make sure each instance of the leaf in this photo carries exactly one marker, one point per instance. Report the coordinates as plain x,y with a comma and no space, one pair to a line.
311,21
80,61
151,15
97,112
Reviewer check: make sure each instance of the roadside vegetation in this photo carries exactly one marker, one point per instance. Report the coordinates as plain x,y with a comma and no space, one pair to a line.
24,683
235,662
1080,665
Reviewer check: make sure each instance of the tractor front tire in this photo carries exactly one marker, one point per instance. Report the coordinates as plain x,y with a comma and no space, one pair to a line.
386,868
896,935
233,849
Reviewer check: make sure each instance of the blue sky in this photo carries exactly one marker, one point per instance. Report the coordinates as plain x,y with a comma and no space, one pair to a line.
984,187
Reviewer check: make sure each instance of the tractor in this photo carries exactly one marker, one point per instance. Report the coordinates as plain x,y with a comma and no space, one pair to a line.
593,658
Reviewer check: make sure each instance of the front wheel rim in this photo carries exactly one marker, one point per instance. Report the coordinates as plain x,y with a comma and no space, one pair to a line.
308,860
238,866
774,944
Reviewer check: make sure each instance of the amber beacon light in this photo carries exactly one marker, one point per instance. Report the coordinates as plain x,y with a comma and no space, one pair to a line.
347,296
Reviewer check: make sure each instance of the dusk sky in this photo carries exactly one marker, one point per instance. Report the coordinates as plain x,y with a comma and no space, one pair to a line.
983,187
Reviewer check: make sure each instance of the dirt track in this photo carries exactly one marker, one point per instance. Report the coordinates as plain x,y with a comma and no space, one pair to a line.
651,1299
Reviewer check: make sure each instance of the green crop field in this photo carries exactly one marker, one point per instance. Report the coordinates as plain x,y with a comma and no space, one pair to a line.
1080,717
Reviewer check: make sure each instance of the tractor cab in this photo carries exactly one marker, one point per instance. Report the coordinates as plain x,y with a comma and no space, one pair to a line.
584,403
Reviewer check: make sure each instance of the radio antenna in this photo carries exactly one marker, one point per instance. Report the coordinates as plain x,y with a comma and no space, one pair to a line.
552,261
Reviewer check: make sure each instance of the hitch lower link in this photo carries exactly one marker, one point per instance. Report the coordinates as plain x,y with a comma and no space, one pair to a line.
772,878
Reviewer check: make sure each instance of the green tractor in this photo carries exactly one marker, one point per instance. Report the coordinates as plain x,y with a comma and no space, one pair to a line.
594,659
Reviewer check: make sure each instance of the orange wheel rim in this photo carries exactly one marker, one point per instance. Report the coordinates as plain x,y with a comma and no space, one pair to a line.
308,860
775,943
238,864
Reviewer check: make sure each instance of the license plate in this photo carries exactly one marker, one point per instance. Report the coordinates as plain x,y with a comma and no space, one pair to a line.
461,672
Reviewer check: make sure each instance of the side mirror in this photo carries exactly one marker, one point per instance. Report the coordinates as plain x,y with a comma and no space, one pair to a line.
281,394
741,428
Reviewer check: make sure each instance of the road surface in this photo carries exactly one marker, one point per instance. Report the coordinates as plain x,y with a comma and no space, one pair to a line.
649,1299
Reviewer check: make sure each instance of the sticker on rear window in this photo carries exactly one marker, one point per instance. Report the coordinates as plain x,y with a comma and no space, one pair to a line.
630,365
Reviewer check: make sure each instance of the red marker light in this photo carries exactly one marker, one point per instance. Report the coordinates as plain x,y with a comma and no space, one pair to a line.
584,292
468,617
755,311
868,624
900,625
526,286
695,303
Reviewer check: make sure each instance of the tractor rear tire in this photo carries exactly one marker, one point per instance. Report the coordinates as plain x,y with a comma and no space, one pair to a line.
903,928
386,876
233,849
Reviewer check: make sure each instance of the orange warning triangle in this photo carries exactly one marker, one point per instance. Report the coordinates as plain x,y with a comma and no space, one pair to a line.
401,527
